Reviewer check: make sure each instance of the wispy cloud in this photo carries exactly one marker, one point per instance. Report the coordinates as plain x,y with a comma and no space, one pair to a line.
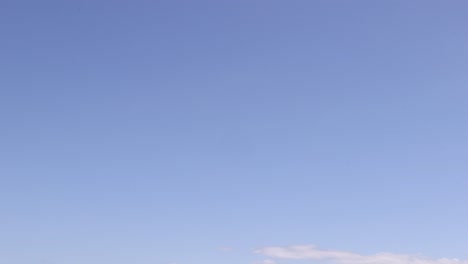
226,248
266,261
343,257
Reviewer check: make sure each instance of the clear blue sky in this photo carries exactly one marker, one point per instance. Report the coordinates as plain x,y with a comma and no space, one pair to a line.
157,132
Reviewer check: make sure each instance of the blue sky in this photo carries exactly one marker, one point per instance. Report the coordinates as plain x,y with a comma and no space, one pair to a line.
160,132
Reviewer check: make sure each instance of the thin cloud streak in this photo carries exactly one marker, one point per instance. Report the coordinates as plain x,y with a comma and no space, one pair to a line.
266,261
303,252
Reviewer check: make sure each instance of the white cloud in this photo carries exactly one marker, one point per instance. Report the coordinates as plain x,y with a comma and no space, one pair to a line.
343,257
266,261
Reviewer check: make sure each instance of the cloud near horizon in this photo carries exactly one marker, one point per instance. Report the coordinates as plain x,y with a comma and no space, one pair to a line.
266,261
311,252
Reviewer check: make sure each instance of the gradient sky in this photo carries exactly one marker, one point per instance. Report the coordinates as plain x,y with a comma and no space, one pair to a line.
158,132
